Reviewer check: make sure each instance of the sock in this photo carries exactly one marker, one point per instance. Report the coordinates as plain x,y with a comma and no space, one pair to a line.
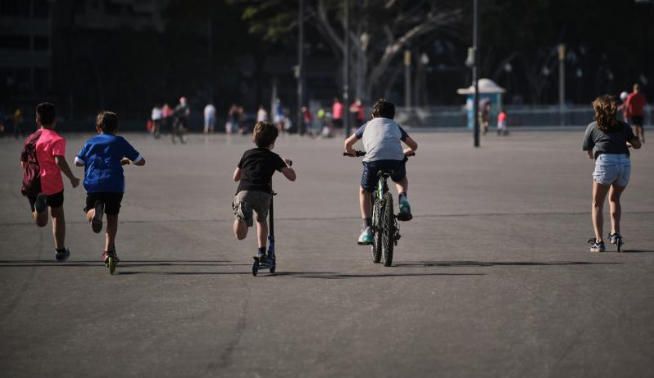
367,222
262,250
402,195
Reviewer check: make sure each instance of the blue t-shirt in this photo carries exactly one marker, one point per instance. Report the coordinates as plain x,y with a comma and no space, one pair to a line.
101,156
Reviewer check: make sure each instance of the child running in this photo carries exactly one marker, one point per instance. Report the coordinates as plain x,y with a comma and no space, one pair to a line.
382,139
103,157
607,141
43,159
254,173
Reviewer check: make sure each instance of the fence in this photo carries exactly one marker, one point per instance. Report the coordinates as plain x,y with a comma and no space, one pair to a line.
518,116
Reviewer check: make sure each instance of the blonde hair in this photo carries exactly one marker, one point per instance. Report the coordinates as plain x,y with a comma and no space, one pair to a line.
605,108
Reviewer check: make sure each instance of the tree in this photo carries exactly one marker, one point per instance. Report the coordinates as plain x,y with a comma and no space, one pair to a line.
380,31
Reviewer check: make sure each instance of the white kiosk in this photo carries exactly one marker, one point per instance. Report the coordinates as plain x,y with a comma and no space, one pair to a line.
489,91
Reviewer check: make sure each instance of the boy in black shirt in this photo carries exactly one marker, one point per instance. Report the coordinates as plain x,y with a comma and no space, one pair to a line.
254,191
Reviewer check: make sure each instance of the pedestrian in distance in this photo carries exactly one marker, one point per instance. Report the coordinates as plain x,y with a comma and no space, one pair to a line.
209,118
337,114
156,117
262,114
635,104
103,157
502,129
43,160
254,175
607,141
382,140
180,120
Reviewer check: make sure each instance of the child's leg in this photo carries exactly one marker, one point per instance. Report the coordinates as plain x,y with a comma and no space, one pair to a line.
402,185
614,207
111,231
58,226
599,194
262,233
365,203
240,229
41,219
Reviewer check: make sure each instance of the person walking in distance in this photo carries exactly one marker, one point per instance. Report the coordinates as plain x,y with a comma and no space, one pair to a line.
209,118
636,110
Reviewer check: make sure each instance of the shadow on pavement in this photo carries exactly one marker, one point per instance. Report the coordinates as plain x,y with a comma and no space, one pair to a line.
338,276
637,251
498,263
123,263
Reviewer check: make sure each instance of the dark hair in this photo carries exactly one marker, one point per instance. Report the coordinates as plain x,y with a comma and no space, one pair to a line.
107,122
264,134
383,108
605,110
46,113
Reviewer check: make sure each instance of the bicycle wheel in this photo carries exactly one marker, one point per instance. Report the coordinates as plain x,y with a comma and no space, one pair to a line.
376,247
388,229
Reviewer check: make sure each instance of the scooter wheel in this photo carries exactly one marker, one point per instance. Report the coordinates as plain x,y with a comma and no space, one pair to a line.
255,267
111,263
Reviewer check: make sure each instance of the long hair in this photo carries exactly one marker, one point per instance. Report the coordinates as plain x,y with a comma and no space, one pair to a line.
606,108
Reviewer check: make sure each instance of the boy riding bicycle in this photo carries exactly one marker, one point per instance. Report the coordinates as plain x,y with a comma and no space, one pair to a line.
382,140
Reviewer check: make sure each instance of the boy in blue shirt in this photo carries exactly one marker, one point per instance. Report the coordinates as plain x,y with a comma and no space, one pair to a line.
103,157
382,140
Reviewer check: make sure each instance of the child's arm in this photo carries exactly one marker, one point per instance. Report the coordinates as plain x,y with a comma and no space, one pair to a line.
413,146
349,142
237,174
288,172
63,166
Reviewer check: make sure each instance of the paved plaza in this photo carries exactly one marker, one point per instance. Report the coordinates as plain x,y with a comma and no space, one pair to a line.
492,277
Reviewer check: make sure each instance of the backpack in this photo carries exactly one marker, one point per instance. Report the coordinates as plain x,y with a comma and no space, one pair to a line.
31,169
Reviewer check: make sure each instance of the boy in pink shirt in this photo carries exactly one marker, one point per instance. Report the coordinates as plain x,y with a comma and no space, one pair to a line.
50,153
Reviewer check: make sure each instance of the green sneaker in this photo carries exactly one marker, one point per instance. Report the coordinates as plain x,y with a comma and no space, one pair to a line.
366,237
405,211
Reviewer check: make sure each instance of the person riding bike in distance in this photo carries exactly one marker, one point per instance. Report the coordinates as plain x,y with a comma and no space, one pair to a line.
382,140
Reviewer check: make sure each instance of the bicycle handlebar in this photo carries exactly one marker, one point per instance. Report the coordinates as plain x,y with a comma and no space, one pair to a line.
358,153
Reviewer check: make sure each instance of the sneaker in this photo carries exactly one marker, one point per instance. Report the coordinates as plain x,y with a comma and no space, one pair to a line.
96,222
243,211
41,203
366,237
614,237
62,254
596,246
405,210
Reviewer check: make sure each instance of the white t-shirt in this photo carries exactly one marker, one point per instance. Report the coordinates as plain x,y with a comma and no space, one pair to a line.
382,139
209,111
157,114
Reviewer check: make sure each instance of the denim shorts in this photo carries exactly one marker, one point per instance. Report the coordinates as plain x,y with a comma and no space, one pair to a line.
612,169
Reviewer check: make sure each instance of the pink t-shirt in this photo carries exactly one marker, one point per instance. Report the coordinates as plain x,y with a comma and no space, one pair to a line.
49,145
337,110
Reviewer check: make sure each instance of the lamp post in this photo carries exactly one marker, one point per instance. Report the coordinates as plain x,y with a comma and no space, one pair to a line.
346,68
475,63
300,68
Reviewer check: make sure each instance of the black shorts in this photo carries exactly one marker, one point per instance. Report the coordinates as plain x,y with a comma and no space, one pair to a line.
636,121
370,169
53,200
338,123
111,201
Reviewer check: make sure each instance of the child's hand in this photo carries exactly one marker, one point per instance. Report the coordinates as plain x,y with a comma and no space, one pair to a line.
124,161
74,181
409,152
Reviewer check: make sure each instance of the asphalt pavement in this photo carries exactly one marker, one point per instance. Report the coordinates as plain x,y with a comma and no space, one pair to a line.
492,277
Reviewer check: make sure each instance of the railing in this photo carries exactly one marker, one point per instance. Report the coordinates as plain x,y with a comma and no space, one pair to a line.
518,116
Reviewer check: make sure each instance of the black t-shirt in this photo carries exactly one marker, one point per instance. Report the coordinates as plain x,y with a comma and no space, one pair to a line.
612,142
257,168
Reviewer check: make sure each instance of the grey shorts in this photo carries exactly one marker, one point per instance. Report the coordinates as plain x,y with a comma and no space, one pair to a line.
245,201
612,169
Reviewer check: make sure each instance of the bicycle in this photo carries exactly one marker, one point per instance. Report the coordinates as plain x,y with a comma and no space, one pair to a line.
384,226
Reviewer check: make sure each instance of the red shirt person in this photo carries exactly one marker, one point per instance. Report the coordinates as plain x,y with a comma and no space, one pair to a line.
337,113
635,108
